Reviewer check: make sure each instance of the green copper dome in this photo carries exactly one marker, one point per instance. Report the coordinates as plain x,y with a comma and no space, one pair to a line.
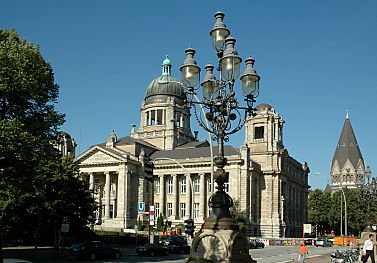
166,62
165,86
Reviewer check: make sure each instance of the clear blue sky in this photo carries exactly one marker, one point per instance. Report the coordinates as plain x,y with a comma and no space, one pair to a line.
316,59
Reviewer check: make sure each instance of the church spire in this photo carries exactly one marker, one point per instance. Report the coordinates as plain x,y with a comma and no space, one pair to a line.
347,148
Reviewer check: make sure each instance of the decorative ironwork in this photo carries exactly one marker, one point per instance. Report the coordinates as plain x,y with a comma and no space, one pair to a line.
221,112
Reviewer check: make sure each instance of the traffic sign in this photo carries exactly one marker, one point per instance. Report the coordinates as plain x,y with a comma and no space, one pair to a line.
65,228
65,220
141,207
151,209
307,228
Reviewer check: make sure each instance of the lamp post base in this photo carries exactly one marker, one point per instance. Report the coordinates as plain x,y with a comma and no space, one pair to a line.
220,246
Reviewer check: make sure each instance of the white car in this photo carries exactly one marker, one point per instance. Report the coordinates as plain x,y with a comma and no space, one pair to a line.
15,260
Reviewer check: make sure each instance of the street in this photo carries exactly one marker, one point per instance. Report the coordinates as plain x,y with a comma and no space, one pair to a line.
273,254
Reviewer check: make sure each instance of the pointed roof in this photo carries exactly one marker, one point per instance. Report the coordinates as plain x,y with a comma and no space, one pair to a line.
347,148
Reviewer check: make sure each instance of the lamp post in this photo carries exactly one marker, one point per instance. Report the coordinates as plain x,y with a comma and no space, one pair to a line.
343,196
369,191
220,240
345,212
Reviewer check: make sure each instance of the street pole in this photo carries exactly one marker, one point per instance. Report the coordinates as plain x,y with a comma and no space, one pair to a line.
341,216
345,213
224,113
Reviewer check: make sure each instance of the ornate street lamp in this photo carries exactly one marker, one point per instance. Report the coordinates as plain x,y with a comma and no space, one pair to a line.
220,240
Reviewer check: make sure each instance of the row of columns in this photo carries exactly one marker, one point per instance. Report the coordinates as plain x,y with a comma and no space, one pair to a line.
189,196
148,118
123,193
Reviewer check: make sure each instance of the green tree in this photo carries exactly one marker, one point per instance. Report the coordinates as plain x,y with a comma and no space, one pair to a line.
37,187
160,223
238,214
319,203
325,210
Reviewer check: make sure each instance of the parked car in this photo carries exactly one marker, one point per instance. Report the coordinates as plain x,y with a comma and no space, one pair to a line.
176,244
323,242
255,243
150,249
94,250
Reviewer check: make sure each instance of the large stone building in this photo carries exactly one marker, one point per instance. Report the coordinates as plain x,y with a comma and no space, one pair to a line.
66,144
270,186
347,166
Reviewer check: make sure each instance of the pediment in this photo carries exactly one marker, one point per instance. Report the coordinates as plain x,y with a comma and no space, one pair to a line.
97,155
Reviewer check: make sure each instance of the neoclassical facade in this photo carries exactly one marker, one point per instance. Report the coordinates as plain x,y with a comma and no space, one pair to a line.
270,186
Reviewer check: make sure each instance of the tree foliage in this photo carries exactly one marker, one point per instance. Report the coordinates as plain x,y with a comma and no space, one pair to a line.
325,211
239,215
37,187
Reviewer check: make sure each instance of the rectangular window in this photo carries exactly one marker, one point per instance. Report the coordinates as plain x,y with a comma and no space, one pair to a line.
182,209
170,209
157,186
111,211
170,185
159,117
157,209
183,184
209,184
197,184
178,119
147,118
196,210
153,117
259,133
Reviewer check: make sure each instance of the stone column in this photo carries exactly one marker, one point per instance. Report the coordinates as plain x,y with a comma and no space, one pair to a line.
120,193
188,196
107,196
175,196
127,194
202,204
162,195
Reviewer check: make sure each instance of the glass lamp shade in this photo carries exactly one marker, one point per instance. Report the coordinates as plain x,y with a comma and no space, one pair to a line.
250,85
250,79
190,75
209,88
218,38
230,67
209,82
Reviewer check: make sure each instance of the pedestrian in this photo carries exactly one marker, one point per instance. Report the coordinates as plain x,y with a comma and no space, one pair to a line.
369,249
303,252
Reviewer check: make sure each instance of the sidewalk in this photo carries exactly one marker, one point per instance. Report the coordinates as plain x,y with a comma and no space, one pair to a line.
46,254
